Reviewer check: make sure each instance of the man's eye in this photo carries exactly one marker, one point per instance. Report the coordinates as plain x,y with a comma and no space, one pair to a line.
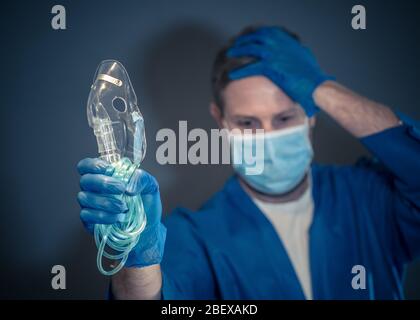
246,123
284,119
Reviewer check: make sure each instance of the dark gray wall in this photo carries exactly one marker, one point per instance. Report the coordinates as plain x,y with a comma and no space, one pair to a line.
167,47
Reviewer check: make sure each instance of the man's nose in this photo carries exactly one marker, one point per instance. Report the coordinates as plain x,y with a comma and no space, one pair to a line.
267,126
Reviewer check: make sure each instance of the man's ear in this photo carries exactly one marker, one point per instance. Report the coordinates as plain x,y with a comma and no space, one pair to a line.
312,122
216,113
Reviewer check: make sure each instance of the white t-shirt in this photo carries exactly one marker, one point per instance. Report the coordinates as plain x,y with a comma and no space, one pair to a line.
292,221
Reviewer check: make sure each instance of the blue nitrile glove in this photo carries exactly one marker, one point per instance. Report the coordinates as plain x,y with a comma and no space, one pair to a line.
283,60
101,202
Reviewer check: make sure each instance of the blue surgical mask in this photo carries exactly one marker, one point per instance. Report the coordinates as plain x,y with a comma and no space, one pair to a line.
286,157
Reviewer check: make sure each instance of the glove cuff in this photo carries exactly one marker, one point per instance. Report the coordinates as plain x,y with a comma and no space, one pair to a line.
308,102
149,249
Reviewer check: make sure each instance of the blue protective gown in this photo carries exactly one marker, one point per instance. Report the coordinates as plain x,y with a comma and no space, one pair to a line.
367,214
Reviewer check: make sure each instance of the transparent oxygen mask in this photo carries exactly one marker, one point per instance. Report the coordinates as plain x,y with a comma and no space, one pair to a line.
118,125
113,114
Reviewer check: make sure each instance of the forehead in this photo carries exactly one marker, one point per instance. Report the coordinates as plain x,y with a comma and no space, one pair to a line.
255,96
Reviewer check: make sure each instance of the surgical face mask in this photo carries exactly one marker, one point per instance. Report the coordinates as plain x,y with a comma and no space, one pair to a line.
286,156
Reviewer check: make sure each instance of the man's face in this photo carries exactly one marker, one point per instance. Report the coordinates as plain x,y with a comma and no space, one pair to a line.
257,103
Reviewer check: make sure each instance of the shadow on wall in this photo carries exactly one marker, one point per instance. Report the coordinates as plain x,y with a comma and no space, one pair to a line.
176,78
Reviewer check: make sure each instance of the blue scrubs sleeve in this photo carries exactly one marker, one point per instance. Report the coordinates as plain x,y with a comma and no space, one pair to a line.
186,266
398,149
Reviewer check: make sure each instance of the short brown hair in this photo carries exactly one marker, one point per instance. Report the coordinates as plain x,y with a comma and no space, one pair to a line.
223,65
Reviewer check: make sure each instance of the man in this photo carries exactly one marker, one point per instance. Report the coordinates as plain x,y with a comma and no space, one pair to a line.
298,229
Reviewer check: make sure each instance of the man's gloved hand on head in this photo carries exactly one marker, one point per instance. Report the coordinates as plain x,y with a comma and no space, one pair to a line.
101,202
282,59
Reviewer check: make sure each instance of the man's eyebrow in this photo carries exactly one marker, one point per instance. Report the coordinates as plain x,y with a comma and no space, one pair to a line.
243,116
290,111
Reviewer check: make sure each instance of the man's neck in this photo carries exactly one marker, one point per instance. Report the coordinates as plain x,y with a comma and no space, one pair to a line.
292,195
